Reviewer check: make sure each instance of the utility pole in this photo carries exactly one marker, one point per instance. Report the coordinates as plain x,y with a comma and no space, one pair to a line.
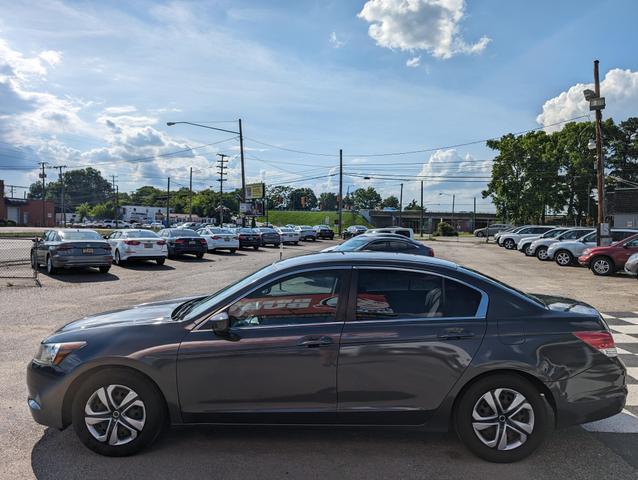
59,168
11,189
43,176
243,171
401,206
190,197
222,163
421,209
115,200
340,191
168,202
453,200
474,216
599,161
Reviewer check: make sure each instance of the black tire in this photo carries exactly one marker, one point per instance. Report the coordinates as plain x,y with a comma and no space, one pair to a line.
233,250
153,414
527,251
116,258
602,266
200,255
564,258
51,270
296,243
538,413
480,234
160,261
256,247
541,254
104,269
509,244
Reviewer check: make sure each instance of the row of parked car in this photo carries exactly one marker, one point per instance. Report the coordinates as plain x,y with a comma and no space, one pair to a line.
575,245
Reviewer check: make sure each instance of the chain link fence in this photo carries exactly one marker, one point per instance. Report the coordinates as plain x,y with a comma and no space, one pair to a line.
15,258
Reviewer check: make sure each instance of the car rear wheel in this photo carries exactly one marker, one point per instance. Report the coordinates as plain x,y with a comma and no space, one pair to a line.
509,244
541,253
104,269
233,250
199,255
117,412
160,261
480,234
256,247
51,270
563,258
116,258
502,418
602,266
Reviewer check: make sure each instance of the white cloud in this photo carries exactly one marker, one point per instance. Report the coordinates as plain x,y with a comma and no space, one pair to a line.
120,109
430,25
413,62
335,41
619,87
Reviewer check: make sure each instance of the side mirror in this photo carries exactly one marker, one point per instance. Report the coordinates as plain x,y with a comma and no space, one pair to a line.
221,323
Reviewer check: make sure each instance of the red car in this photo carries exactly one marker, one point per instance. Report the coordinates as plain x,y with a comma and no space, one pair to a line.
607,260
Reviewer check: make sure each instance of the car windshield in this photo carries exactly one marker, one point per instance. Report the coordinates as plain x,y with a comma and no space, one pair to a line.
184,232
203,304
286,230
351,245
141,234
553,233
265,230
80,235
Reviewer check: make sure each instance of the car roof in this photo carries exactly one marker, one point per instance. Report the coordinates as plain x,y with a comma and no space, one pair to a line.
378,235
350,258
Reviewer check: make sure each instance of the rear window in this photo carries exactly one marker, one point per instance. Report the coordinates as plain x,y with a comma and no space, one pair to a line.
141,234
184,232
80,235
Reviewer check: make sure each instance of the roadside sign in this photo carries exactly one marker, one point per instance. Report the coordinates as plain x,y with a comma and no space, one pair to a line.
255,191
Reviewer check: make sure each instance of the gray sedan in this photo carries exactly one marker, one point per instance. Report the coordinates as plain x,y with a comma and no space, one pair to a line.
71,248
631,266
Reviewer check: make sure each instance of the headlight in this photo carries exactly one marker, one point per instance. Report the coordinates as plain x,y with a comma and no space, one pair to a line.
587,251
53,353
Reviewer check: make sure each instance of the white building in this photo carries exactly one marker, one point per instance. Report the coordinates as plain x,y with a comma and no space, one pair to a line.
142,213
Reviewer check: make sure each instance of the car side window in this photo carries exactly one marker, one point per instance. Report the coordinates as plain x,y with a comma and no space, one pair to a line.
378,246
632,243
302,298
617,236
384,294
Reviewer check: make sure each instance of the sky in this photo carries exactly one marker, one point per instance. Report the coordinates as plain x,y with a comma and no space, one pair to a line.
87,83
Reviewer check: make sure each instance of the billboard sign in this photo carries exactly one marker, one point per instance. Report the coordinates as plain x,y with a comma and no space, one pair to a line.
255,191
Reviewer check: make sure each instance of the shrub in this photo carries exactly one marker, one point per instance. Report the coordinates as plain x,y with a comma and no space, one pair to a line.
10,223
3,223
444,229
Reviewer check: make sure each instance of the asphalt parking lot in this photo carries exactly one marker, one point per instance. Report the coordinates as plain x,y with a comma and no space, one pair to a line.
29,450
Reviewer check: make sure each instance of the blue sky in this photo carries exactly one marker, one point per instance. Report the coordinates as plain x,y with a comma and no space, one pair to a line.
93,83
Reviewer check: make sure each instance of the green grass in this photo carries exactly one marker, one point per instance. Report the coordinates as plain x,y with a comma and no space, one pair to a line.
281,217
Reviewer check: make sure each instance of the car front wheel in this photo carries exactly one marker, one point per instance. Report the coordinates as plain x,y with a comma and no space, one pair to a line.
602,266
160,261
480,234
51,270
528,250
564,258
509,244
541,253
502,418
117,412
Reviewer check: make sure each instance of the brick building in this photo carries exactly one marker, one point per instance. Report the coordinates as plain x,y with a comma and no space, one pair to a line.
26,212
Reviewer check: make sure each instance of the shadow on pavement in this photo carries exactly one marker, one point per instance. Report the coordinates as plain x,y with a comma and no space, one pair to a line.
86,275
261,452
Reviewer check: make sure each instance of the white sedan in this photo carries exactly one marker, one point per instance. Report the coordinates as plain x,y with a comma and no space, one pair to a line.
288,235
137,244
218,238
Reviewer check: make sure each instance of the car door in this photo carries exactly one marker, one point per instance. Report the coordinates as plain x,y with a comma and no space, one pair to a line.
628,249
113,240
278,363
409,336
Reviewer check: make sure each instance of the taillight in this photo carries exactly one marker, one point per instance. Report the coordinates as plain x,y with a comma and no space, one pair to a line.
431,252
601,341
132,242
202,241
180,240
161,242
242,236
62,248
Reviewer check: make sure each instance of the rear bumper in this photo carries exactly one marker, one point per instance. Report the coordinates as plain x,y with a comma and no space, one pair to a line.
250,243
597,393
72,261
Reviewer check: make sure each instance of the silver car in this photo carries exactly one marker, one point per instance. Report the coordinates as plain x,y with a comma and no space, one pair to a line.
525,244
565,253
491,229
538,248
498,235
510,240
631,266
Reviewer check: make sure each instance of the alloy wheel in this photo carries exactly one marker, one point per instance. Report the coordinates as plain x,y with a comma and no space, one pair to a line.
541,253
115,414
528,250
601,266
117,259
503,419
563,258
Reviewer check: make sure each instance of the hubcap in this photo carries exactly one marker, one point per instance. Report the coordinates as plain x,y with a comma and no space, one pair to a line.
503,419
115,415
542,254
528,250
601,266
562,258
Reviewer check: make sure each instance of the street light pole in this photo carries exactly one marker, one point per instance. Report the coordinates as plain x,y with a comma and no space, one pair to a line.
340,191
401,207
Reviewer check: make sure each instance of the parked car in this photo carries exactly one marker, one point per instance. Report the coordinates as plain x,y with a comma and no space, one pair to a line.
71,248
525,243
248,238
131,244
191,225
181,241
606,260
219,239
507,230
565,253
417,347
268,236
631,266
382,242
353,231
491,229
538,248
406,232
510,240
288,235
324,231
306,232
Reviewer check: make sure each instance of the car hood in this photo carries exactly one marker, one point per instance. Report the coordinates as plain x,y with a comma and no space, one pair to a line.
564,304
146,313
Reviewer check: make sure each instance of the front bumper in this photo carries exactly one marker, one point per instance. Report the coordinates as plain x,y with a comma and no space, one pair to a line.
46,387
583,260
597,393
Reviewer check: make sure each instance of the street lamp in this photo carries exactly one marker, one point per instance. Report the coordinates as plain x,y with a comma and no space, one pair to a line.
453,195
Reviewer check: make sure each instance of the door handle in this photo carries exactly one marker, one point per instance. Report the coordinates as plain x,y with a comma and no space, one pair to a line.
454,334
314,342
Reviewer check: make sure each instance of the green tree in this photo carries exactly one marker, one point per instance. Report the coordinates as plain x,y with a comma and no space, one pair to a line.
328,201
310,200
413,205
366,198
390,202
278,196
148,195
83,210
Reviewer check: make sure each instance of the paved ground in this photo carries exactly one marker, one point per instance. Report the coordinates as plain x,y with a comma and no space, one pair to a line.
608,449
